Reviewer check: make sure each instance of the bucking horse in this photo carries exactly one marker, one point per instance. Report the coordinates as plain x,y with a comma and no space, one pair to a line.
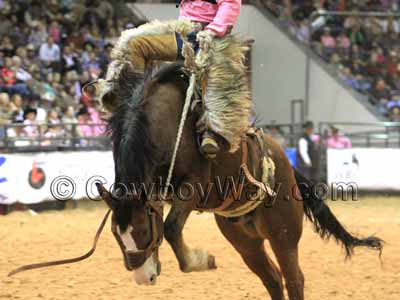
269,203
143,127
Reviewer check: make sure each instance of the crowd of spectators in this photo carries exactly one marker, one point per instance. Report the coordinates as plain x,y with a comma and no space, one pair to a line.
365,51
49,49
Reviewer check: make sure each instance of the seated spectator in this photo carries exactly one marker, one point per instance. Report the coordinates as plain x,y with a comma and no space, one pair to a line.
17,108
394,101
16,134
92,65
303,32
32,59
343,43
394,114
395,80
380,90
70,120
38,34
351,21
6,24
94,118
38,106
84,129
336,61
5,111
70,61
328,43
30,125
85,58
55,32
52,117
357,67
361,84
392,63
374,67
7,75
53,132
104,12
6,46
390,25
347,76
49,54
21,75
22,53
337,140
373,28
356,36
383,106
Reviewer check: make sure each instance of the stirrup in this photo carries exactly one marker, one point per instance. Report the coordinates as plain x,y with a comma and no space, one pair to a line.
209,146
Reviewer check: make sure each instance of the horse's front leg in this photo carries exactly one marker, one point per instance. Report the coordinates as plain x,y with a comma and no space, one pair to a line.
189,259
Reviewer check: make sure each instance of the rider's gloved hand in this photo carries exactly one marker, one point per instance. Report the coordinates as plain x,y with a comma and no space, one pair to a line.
205,39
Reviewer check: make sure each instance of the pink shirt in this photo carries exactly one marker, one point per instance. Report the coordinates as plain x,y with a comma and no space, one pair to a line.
219,16
85,130
30,129
96,119
344,42
328,41
338,142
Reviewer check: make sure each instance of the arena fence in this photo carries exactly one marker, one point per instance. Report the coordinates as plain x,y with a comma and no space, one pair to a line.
53,137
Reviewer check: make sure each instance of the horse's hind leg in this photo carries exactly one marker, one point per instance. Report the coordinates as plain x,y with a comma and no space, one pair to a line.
253,253
288,259
189,259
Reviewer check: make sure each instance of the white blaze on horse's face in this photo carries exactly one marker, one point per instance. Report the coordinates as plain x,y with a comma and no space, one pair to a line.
147,273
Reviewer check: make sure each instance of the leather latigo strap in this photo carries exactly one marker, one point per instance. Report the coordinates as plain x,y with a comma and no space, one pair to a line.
244,171
231,199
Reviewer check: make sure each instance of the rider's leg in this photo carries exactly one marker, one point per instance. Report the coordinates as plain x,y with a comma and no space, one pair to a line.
147,48
226,96
155,41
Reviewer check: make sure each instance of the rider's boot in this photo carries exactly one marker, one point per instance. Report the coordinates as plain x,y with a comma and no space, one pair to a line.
209,146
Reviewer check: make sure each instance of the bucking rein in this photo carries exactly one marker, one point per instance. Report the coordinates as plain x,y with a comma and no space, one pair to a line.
192,65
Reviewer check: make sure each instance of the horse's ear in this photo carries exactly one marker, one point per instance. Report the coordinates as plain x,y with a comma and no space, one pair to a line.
101,91
105,195
89,89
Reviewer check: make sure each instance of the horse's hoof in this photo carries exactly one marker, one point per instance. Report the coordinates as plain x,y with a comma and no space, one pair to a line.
211,262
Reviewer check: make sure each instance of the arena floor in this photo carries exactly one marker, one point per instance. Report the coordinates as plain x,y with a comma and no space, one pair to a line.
27,238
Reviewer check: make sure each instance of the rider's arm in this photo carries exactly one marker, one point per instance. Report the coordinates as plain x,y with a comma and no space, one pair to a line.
227,14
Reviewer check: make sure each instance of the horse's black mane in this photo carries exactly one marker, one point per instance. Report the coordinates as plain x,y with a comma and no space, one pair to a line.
133,149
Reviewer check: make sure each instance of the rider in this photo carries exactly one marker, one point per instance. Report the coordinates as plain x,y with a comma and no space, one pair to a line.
209,20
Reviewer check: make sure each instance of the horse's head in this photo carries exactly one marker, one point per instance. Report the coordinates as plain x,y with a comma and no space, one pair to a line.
137,225
140,148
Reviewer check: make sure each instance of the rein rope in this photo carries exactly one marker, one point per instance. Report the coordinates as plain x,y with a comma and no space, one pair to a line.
188,54
69,260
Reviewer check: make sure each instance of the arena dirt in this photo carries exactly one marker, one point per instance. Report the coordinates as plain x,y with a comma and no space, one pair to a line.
27,238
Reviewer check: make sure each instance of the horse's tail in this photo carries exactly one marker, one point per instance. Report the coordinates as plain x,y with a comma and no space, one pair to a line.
325,222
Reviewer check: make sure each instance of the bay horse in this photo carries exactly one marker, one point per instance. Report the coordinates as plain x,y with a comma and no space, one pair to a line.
143,128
